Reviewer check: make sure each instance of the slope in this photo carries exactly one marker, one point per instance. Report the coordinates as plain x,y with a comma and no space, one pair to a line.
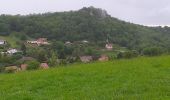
92,24
135,79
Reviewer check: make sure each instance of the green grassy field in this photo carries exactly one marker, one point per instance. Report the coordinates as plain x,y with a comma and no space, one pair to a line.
135,79
11,40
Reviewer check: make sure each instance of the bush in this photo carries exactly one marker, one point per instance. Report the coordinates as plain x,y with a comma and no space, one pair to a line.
153,51
112,56
38,53
17,56
33,65
127,54
53,61
71,59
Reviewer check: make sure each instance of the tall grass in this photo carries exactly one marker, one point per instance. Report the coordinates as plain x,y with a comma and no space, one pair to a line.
135,79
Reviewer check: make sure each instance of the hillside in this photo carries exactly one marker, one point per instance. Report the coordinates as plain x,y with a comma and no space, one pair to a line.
92,24
12,39
135,79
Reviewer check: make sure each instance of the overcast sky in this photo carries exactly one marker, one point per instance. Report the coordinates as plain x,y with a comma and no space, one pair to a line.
146,12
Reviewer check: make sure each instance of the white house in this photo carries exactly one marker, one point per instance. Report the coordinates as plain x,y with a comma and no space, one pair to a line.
32,42
40,41
2,42
109,46
85,41
68,43
12,51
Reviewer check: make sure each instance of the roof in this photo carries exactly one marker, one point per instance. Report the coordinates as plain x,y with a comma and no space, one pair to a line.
104,58
109,46
44,65
42,39
85,41
68,42
26,59
86,58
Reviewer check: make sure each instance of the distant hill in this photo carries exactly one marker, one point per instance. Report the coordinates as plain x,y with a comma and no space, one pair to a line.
92,24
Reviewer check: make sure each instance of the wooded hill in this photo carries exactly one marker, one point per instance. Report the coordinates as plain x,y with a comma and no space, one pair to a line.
92,24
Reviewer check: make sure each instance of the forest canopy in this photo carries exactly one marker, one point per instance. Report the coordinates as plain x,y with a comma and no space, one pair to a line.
92,24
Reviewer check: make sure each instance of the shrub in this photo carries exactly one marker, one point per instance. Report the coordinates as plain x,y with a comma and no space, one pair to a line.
53,61
71,59
112,56
33,65
127,54
17,56
152,51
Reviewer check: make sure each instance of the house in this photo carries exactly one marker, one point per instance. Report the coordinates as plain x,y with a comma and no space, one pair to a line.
44,66
39,41
12,51
11,69
2,42
104,58
42,41
85,41
109,46
86,59
32,42
68,43
24,67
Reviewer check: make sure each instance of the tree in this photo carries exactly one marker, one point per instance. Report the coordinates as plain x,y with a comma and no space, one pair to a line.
152,51
24,49
53,61
42,55
127,54
38,53
33,65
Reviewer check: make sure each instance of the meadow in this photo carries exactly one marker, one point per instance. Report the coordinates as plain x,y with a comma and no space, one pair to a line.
143,78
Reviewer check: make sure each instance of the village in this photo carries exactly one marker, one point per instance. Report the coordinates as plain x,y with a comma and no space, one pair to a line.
44,64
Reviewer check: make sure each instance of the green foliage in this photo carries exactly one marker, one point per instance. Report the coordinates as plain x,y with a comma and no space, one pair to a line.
90,24
32,65
53,61
59,48
152,51
127,54
89,51
7,60
17,56
23,49
38,53
71,59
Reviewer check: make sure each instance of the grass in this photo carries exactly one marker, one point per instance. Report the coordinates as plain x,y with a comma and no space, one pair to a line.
11,40
135,79
14,39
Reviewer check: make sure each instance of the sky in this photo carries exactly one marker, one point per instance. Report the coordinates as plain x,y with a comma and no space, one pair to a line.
144,12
